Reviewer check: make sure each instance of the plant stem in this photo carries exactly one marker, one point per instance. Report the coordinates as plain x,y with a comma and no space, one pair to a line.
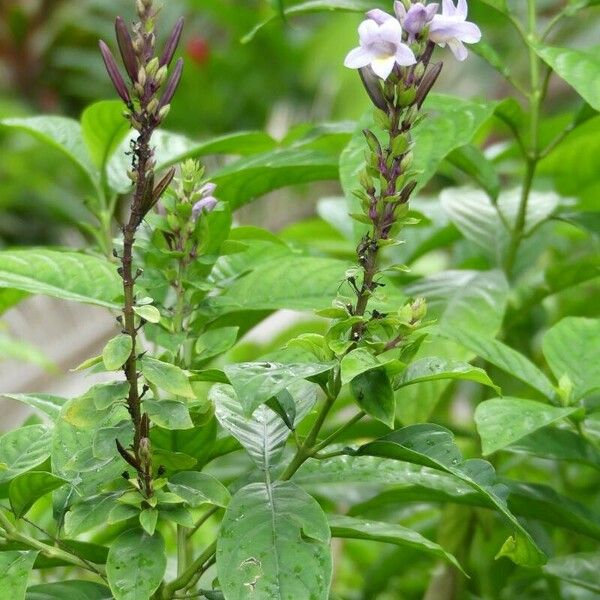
184,578
207,515
532,155
331,438
13,534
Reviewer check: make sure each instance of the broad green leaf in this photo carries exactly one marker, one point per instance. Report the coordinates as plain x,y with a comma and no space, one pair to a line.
69,590
61,133
22,450
432,368
502,421
136,565
148,519
65,275
360,361
170,414
148,313
264,434
390,533
199,488
581,70
215,341
90,513
167,377
103,128
580,569
558,444
25,489
179,449
15,568
478,220
252,177
257,382
46,403
572,348
473,162
117,351
373,392
499,5
433,446
504,357
473,300
313,6
274,544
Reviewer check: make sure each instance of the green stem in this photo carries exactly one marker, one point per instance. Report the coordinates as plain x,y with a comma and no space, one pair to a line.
202,520
331,438
181,549
184,578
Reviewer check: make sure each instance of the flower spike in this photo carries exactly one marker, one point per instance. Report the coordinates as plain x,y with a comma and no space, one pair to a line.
114,73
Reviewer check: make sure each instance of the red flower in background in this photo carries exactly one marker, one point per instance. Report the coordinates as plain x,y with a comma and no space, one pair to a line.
198,50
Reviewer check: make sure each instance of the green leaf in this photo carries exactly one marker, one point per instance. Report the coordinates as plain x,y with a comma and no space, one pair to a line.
581,70
373,392
61,133
177,448
24,352
167,377
558,444
215,341
148,519
22,450
296,283
103,128
502,421
69,590
580,569
46,403
390,533
274,544
148,313
474,300
136,565
473,162
360,360
170,414
264,434
499,5
312,6
65,275
252,177
90,513
433,446
505,358
433,368
117,351
199,488
257,382
572,348
15,568
25,489
478,220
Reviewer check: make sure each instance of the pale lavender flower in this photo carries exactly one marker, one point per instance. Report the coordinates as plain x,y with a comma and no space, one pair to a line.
381,47
416,18
452,28
207,201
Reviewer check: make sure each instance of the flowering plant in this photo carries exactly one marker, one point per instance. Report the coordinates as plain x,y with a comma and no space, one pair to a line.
204,464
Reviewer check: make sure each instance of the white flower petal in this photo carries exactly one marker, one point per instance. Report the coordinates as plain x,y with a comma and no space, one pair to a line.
405,56
469,33
431,10
458,49
448,8
378,15
462,9
358,58
382,67
368,30
391,31
399,10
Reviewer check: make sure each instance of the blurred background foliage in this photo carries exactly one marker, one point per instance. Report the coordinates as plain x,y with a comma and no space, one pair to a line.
289,73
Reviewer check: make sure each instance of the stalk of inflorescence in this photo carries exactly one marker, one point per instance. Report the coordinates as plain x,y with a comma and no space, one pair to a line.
147,98
394,60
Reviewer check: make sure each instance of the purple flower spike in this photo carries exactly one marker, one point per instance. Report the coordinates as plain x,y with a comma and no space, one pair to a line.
126,48
172,84
452,28
114,73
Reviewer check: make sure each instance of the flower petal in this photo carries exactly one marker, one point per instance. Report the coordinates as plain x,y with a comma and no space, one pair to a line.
378,15
469,33
399,10
448,8
382,67
368,31
458,49
358,58
461,9
391,31
405,56
431,10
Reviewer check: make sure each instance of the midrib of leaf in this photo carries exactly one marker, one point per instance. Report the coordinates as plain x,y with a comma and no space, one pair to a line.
268,484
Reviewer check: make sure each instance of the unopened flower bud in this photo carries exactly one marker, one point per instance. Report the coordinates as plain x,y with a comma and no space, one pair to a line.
152,67
152,106
114,73
172,43
141,76
418,309
140,7
126,48
400,144
419,70
145,450
406,162
163,112
372,141
132,175
161,75
139,89
372,85
172,84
